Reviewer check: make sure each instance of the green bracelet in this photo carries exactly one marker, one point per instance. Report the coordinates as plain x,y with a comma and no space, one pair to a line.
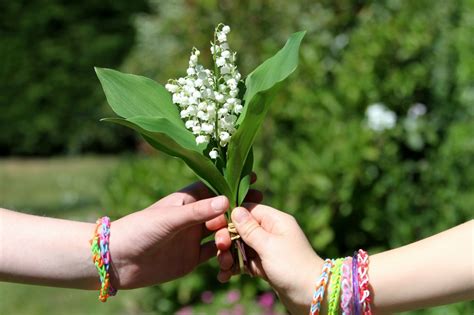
335,288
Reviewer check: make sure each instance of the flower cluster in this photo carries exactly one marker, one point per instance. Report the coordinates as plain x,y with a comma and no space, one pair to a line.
379,117
209,100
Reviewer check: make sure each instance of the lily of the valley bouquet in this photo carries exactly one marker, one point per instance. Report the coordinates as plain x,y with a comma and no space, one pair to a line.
208,118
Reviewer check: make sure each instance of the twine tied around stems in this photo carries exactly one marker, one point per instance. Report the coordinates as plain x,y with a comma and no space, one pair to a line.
234,235
238,250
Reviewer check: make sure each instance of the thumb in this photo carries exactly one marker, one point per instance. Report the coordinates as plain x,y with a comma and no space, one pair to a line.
249,229
197,212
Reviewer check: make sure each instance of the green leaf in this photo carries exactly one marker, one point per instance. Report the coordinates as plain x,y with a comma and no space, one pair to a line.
173,142
179,134
244,184
131,95
262,85
275,69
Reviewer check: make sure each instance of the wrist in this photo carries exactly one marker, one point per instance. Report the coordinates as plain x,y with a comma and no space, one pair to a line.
100,249
117,261
298,299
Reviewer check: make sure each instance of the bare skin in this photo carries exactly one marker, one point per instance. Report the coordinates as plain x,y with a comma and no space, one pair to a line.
155,245
406,278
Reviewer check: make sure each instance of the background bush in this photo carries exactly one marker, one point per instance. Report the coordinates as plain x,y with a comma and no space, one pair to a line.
348,186
49,96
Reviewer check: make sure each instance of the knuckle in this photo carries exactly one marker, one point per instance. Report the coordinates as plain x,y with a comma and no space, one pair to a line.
178,199
196,211
175,199
250,230
291,219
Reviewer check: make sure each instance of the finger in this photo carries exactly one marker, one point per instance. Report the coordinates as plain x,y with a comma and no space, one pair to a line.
254,196
249,229
222,239
224,275
178,218
208,250
253,178
259,211
196,191
189,194
254,268
216,223
225,259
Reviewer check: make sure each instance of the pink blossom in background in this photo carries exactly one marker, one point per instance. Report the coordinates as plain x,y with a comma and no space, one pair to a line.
187,310
233,296
207,297
266,300
238,310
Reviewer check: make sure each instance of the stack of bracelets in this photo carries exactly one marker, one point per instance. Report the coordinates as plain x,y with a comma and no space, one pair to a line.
349,286
101,257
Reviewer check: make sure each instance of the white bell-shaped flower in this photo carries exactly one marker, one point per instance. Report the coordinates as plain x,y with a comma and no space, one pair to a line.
208,101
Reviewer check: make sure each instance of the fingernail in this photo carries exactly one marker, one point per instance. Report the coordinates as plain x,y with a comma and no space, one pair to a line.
240,215
219,203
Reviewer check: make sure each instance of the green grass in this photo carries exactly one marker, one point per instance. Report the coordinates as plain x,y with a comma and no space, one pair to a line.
68,188
59,187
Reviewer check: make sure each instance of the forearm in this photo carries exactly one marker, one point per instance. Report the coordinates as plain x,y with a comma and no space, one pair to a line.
46,251
434,271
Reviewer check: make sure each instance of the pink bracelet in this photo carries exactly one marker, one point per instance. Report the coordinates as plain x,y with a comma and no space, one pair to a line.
346,286
363,275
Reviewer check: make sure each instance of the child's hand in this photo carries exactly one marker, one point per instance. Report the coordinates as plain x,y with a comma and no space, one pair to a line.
163,242
283,255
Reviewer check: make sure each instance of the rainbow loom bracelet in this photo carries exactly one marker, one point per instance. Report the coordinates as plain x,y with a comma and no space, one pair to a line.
355,285
320,288
346,287
363,276
335,288
101,257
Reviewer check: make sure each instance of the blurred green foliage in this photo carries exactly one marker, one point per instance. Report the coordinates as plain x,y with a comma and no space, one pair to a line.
349,186
50,98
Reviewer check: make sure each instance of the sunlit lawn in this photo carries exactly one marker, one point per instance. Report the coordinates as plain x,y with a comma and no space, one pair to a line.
67,188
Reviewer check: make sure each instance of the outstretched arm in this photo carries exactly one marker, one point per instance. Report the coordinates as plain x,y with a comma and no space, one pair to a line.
45,251
434,271
147,247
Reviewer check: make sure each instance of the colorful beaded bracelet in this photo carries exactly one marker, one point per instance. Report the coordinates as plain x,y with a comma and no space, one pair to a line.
320,288
349,289
346,287
101,257
335,288
355,286
363,276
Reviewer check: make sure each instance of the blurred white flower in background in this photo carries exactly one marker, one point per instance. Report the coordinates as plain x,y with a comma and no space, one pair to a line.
414,125
417,110
379,117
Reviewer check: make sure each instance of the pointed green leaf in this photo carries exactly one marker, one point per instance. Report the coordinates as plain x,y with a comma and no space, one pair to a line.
275,69
262,85
244,184
131,95
169,143
179,134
